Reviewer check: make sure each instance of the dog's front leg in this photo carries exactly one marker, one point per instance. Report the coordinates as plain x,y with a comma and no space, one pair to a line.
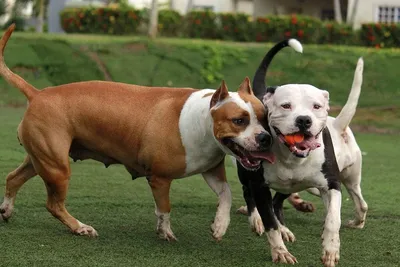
263,198
160,188
216,179
332,199
287,235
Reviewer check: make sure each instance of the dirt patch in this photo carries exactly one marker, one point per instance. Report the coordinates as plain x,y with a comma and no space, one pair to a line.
100,64
22,69
135,47
372,129
276,73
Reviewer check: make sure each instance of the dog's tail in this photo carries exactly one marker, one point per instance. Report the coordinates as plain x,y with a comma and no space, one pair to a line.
12,78
346,114
259,85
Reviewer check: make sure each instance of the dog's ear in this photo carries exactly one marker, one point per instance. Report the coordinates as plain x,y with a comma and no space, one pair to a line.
220,94
269,94
245,87
326,98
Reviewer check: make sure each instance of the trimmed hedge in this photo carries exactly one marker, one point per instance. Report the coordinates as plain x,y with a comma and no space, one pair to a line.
226,26
380,35
201,24
169,22
236,27
101,20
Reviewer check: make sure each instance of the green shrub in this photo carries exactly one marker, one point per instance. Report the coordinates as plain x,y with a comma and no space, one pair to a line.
201,24
101,20
169,22
19,23
275,28
235,27
380,35
335,33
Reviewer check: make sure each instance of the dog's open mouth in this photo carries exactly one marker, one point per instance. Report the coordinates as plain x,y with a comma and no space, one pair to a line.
300,144
251,160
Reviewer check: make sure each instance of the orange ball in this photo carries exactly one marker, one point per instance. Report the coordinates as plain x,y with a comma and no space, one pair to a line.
289,139
298,138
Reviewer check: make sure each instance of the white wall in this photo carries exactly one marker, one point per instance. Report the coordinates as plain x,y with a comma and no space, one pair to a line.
367,10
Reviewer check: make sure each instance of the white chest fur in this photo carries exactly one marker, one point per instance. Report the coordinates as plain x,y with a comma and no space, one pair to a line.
195,125
290,174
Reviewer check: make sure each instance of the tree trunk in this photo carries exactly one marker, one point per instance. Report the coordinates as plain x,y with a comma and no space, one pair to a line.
153,25
40,17
235,6
353,12
338,11
189,6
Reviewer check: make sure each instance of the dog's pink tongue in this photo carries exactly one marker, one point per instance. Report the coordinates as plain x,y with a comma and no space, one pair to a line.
269,156
311,143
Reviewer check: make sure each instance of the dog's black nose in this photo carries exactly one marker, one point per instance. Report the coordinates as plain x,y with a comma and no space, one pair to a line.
264,140
303,122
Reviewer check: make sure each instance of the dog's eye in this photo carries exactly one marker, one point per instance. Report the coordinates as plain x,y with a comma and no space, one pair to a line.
239,121
316,106
286,106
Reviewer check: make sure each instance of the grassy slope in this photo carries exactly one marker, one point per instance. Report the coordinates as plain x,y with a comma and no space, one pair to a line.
122,211
55,59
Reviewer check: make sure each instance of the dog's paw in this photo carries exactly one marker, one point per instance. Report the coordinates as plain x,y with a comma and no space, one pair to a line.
355,224
330,258
86,230
287,235
281,255
256,223
242,210
218,227
5,210
166,234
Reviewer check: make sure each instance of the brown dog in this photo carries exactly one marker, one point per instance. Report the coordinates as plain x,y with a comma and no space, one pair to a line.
161,133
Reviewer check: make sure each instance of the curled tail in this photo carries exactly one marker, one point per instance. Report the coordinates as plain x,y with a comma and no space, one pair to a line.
13,79
346,114
259,85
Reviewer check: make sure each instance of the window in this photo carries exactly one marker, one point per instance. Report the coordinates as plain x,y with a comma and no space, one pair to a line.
327,14
388,14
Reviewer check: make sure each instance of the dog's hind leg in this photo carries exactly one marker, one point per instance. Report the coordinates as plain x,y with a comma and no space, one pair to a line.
352,180
216,179
299,204
55,172
15,180
160,188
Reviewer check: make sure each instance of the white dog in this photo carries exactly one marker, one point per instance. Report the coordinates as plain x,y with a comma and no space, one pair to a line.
313,150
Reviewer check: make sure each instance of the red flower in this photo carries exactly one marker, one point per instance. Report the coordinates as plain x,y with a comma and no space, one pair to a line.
377,46
329,26
226,28
294,20
300,33
258,38
81,15
378,26
236,29
197,21
288,34
371,38
266,21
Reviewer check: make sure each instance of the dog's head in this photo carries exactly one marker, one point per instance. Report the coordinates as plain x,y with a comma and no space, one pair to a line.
297,114
237,127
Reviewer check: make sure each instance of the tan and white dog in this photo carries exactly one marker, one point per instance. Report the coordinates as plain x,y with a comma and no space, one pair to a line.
160,133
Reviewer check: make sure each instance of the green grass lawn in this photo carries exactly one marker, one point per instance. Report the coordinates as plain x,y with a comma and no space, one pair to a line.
122,211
